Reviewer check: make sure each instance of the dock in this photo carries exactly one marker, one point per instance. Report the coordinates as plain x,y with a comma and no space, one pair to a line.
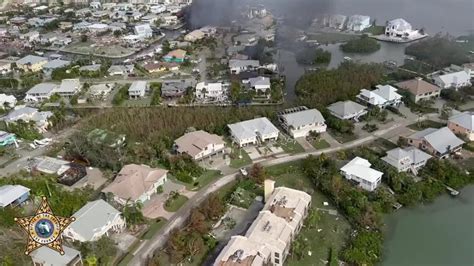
397,205
452,191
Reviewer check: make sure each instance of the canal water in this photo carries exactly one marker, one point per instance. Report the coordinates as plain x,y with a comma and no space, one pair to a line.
440,233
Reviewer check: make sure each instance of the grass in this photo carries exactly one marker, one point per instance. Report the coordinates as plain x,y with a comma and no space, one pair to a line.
154,227
426,124
333,230
175,204
342,138
291,146
126,260
320,144
332,37
467,164
375,30
203,180
236,162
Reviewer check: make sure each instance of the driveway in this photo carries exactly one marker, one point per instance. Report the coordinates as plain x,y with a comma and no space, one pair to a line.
305,144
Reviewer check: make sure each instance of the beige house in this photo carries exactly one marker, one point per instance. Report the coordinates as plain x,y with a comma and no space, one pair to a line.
438,142
463,124
420,89
136,183
32,63
199,144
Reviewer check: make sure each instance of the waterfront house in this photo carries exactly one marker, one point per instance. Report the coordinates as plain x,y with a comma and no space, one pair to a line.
420,89
176,56
347,110
211,91
358,23
7,101
13,195
94,220
300,121
253,131
199,144
409,159
31,63
27,114
45,256
453,80
137,89
463,124
383,96
40,92
259,84
437,142
359,171
236,66
398,28
136,183
7,139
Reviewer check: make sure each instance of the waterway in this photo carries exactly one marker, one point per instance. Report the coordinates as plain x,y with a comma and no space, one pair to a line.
440,233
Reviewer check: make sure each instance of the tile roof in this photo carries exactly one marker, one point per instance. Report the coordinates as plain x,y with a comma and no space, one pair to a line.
417,86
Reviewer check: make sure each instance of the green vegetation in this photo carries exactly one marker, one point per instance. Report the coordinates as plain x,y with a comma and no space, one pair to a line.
121,95
28,80
420,125
311,56
101,251
174,202
331,37
375,30
23,130
290,146
321,88
133,214
184,168
320,144
423,106
154,228
65,73
235,161
439,51
363,45
156,93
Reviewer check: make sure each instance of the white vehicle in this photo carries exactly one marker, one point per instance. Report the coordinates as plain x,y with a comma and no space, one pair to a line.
243,171
42,142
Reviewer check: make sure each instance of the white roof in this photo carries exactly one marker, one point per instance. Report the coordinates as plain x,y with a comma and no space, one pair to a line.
236,63
361,168
217,86
465,119
374,98
346,108
69,85
10,193
400,24
303,118
439,139
289,204
31,59
139,85
240,248
270,230
57,63
250,128
98,26
414,155
51,257
42,88
387,92
259,81
455,77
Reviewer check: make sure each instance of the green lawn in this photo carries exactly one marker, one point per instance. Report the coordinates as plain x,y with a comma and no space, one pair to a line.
126,260
154,227
342,138
291,146
320,144
332,37
426,124
176,204
207,177
333,230
236,162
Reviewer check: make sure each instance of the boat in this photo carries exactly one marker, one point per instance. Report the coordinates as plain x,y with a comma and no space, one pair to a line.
347,58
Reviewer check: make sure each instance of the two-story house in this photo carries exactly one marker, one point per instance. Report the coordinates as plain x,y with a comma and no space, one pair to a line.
383,96
347,110
199,144
438,142
463,124
359,171
137,89
253,131
211,91
40,92
409,159
300,121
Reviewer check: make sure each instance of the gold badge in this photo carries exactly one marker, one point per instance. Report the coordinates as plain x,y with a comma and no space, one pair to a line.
44,228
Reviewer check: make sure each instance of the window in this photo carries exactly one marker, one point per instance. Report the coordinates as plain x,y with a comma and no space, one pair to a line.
277,255
277,261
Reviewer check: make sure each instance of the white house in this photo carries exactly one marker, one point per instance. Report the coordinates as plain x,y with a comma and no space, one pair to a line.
199,144
258,84
253,131
236,66
383,96
214,91
144,31
137,89
94,220
68,87
359,171
408,159
12,195
358,23
347,110
300,121
398,28
27,114
136,183
40,92
7,101
453,80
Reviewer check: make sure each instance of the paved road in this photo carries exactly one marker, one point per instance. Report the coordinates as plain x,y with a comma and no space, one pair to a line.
147,247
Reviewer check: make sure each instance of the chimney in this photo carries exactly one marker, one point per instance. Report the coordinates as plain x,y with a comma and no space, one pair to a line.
268,187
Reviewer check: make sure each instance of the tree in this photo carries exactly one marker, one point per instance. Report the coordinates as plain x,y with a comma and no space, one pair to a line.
197,222
132,214
257,173
363,45
212,207
84,38
234,91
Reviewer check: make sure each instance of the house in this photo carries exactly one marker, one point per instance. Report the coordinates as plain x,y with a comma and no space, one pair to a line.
120,70
194,35
358,170
137,89
90,68
463,124
175,88
268,240
453,80
214,91
337,22
259,84
300,121
40,92
199,144
45,256
383,96
94,220
136,183
12,195
409,159
27,114
7,101
469,67
5,67
347,110
68,87
437,142
160,66
253,131
144,31
100,90
236,66
31,36
398,28
98,28
7,139
31,63
55,64
49,165
420,89
176,56
358,23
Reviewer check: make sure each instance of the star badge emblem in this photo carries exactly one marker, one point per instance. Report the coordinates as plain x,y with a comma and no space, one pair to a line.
44,228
